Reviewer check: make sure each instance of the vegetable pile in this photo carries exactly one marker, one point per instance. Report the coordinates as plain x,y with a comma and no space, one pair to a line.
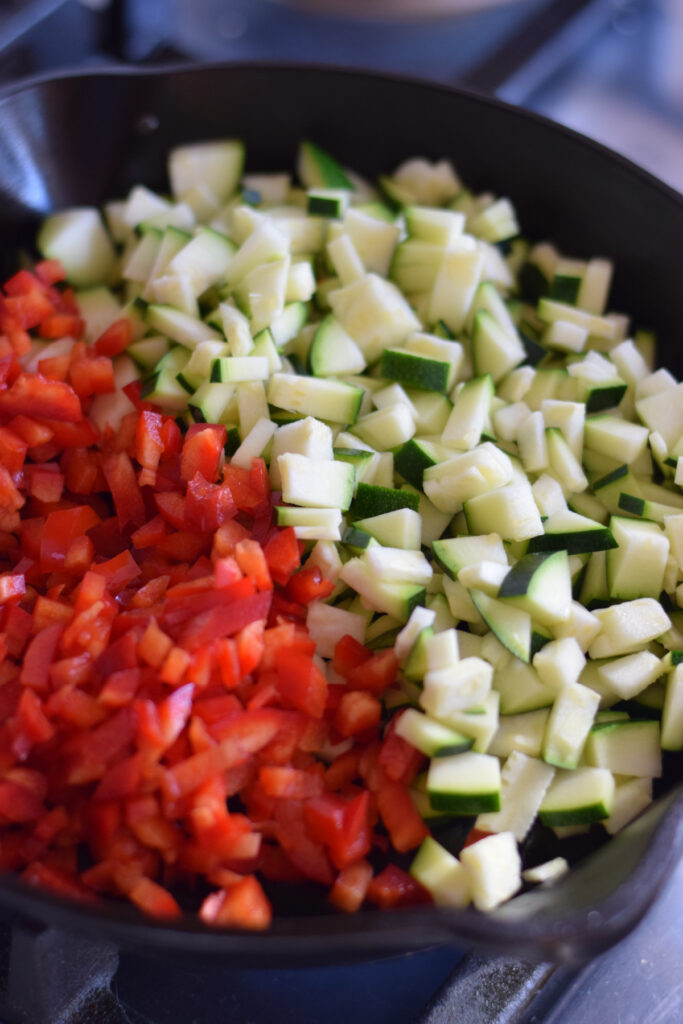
328,516
156,662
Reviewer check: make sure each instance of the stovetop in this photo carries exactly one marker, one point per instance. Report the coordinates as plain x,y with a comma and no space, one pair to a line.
581,61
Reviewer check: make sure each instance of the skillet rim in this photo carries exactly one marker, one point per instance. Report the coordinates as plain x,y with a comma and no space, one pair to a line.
305,941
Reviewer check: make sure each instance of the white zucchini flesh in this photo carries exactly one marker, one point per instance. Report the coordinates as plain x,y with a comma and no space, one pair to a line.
493,868
548,872
672,713
523,784
327,625
630,799
442,875
627,627
569,724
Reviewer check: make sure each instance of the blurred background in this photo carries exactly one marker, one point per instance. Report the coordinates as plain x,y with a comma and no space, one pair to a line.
613,69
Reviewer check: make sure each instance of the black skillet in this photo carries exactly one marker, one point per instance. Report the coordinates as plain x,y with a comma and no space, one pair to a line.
84,138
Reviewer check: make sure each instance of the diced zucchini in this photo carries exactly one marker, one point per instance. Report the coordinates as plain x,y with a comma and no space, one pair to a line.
453,553
432,738
511,511
540,584
578,797
523,733
456,687
627,627
372,500
396,599
521,689
524,781
511,625
330,400
636,567
625,748
672,712
327,625
186,330
574,533
464,784
559,663
441,874
628,676
314,483
311,524
399,529
493,867
79,240
333,352
317,169
630,799
217,165
570,721
470,415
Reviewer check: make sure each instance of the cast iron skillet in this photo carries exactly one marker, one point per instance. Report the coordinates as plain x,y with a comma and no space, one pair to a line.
86,137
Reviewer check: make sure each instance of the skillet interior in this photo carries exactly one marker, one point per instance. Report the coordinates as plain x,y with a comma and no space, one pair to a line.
84,138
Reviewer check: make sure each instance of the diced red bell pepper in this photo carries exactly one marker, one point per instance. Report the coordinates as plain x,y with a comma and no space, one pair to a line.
23,282
308,856
357,711
93,375
308,585
172,507
61,325
301,683
61,529
45,483
342,825
251,560
282,555
115,339
29,308
18,803
153,899
349,653
12,588
118,571
243,905
55,367
149,445
404,825
207,506
125,491
39,656
224,620
399,759
375,674
36,396
79,434
12,450
394,887
120,688
290,783
50,271
351,886
202,451
11,499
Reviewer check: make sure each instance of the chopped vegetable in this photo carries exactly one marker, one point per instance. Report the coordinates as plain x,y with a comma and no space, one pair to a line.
330,515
